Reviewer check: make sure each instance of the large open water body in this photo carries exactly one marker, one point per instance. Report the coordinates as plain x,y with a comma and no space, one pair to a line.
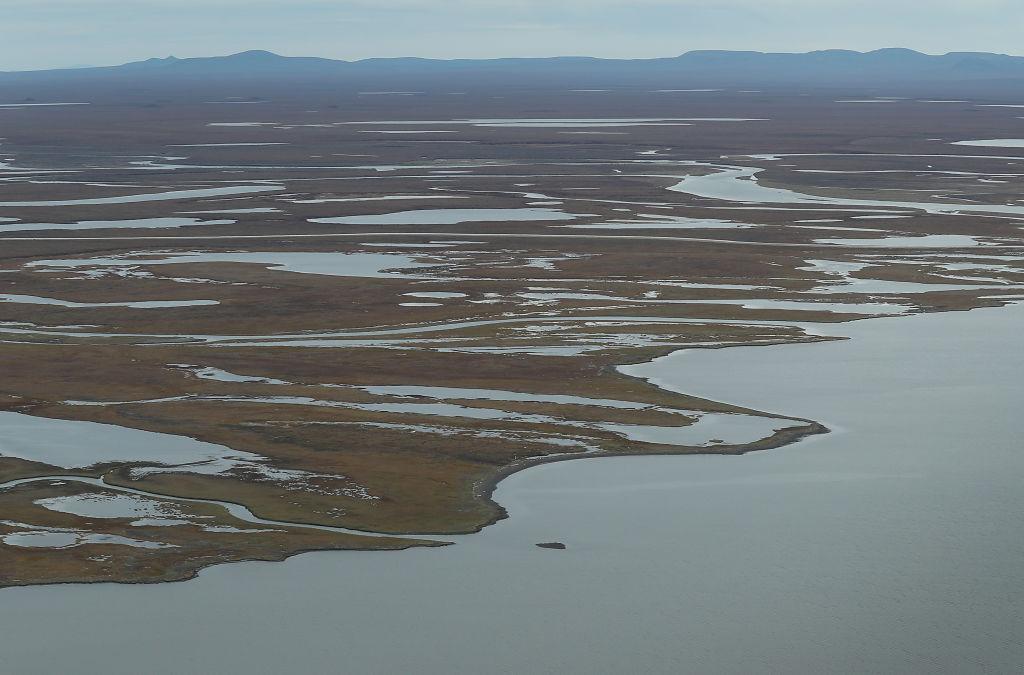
893,545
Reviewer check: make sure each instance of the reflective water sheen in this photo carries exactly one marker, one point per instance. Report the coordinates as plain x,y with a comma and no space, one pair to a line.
448,217
891,545
169,195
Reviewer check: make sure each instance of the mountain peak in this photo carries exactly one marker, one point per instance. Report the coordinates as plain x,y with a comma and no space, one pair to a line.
897,53
256,55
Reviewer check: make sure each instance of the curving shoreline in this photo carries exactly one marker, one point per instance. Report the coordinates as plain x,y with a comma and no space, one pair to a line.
850,521
484,490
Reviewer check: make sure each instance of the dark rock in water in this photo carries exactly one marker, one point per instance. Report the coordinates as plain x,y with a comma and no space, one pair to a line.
553,544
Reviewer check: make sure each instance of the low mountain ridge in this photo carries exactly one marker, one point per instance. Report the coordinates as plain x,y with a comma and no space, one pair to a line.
893,70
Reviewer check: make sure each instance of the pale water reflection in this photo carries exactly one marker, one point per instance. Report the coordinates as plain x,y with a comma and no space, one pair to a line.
891,545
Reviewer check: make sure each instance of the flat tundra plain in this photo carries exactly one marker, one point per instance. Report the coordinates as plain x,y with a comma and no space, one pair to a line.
335,320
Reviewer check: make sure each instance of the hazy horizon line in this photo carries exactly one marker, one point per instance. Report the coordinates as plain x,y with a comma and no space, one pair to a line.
499,58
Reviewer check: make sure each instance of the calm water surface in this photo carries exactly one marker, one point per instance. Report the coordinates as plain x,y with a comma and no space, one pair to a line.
892,545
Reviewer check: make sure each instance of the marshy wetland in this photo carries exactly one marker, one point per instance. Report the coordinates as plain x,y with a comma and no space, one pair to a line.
225,338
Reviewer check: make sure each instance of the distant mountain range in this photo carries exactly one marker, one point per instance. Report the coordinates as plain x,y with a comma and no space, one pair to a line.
829,68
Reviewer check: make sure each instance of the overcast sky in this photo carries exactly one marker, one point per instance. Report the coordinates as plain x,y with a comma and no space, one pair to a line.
56,33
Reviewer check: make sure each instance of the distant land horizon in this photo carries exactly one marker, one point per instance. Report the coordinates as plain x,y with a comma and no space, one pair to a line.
254,73
263,55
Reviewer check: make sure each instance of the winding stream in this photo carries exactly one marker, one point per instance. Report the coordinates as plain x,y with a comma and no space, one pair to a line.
235,510
740,184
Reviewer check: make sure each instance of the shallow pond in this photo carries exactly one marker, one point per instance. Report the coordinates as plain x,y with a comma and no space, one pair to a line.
449,217
114,224
301,262
169,195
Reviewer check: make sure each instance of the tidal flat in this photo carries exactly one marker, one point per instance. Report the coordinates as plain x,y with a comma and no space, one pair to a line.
352,362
